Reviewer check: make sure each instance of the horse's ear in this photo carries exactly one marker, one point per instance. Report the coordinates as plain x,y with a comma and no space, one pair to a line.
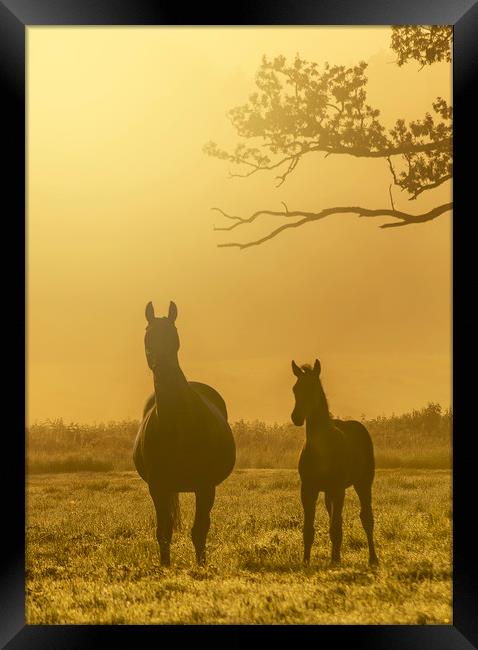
296,370
317,367
173,312
149,312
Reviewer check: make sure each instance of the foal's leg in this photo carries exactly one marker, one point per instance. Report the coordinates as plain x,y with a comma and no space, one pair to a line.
328,503
364,492
335,529
204,502
164,523
308,495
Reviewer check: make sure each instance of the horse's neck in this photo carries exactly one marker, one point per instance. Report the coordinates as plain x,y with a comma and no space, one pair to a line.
318,423
171,388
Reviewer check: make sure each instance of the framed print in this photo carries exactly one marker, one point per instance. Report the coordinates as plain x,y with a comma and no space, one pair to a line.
234,257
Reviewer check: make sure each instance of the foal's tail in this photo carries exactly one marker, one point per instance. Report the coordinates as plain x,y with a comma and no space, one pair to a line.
176,511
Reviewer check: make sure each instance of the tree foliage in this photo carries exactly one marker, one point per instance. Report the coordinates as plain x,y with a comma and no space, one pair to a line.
426,44
300,108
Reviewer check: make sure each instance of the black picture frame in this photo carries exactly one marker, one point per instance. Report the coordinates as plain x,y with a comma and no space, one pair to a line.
15,17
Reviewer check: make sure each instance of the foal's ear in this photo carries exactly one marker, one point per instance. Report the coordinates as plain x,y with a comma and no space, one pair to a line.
317,367
149,312
296,370
173,312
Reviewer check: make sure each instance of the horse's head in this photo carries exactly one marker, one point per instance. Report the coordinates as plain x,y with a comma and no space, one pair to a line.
161,341
307,391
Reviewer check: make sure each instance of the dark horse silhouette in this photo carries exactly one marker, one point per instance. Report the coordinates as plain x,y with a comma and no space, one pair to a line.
184,443
336,454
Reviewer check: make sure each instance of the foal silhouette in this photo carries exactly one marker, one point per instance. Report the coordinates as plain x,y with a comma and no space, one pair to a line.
336,455
184,443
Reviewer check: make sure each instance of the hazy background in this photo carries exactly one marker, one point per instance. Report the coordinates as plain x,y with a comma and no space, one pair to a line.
118,213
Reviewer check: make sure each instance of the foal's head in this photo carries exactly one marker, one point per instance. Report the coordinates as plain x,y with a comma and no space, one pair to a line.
161,341
308,392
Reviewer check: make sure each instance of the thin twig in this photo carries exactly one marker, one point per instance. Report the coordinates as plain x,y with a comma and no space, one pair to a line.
391,197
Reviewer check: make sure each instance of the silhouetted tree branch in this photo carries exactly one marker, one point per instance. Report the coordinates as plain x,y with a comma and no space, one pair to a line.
404,218
299,109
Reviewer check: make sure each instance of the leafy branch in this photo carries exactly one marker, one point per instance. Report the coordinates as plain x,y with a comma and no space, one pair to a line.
299,109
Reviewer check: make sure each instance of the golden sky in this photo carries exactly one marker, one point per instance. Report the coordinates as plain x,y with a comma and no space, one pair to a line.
118,213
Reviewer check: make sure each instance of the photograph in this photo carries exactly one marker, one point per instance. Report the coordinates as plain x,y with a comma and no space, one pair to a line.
239,292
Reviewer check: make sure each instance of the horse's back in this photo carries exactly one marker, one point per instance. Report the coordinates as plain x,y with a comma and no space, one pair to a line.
360,447
354,431
203,390
211,395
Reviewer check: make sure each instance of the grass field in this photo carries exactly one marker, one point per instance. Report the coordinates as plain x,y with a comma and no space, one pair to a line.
92,556
420,439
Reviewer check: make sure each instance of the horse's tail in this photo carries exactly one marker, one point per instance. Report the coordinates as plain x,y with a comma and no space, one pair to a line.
176,511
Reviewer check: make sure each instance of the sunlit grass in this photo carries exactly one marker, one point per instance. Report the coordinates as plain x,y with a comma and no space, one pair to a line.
92,556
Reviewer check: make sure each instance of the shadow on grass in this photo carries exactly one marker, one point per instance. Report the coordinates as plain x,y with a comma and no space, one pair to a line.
319,566
422,571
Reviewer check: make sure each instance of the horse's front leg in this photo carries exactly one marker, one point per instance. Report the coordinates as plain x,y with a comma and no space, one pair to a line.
164,522
204,502
308,495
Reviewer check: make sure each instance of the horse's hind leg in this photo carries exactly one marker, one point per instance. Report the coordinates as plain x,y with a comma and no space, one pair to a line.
204,503
308,495
164,523
364,492
335,529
